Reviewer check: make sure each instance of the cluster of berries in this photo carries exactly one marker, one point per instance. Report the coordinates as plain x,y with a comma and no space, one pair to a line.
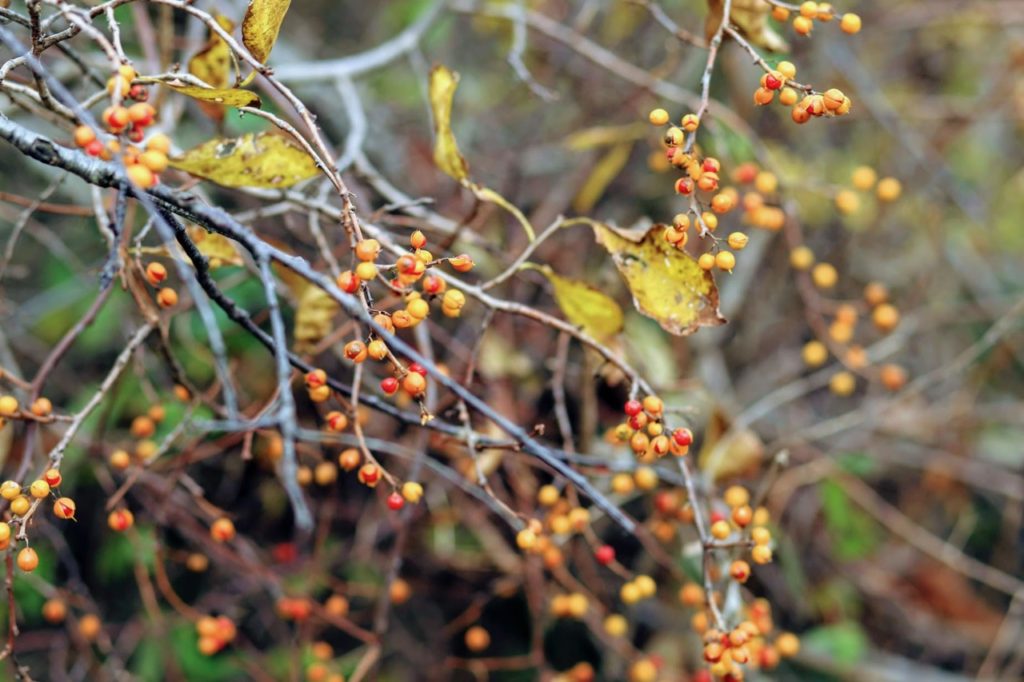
808,12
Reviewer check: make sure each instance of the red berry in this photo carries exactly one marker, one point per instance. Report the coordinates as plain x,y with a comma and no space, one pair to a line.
633,407
717,516
682,437
94,148
772,83
395,501
389,385
684,186
418,368
605,554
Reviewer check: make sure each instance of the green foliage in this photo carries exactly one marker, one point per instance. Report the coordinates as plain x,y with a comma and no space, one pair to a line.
852,533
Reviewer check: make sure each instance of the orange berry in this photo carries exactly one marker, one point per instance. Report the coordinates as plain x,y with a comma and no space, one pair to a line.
367,250
28,560
120,520
140,176
477,639
222,530
84,135
850,23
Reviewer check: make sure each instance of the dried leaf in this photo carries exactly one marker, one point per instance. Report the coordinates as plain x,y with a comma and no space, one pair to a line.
261,25
218,249
727,452
212,65
254,160
218,97
443,82
666,283
594,311
602,175
751,18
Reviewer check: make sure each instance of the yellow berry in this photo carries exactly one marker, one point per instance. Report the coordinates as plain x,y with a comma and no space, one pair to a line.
824,275
720,530
814,354
658,117
850,23
863,177
889,189
803,25
842,383
809,9
885,317
706,261
766,182
847,202
801,258
725,260
736,496
39,489
616,625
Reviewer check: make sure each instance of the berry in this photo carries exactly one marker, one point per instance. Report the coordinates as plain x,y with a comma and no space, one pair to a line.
720,530
725,260
20,505
395,501
141,114
222,530
348,282
885,317
155,273
412,492
94,148
389,385
893,377
706,261
116,118
847,202
605,554
842,383
64,508
690,122
633,408
366,271
850,23
888,189
369,475
477,639
367,250
355,351
803,26
349,459
8,408
824,275
658,117
84,135
336,421
737,241
140,176
154,161
39,489
28,560
801,258
53,477
417,240
461,263
740,571
120,520
814,354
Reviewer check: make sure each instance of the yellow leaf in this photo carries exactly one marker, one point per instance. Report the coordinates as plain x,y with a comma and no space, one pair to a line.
443,82
314,309
254,160
602,175
232,97
751,18
600,136
728,453
261,25
489,195
218,249
314,317
212,65
595,312
667,284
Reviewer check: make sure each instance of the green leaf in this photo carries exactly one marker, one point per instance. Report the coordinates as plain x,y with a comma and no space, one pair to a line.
844,643
853,533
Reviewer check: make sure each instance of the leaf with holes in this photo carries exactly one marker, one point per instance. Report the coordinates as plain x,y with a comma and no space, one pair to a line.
667,284
264,160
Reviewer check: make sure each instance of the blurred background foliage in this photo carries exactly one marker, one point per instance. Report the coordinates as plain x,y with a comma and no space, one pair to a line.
938,103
